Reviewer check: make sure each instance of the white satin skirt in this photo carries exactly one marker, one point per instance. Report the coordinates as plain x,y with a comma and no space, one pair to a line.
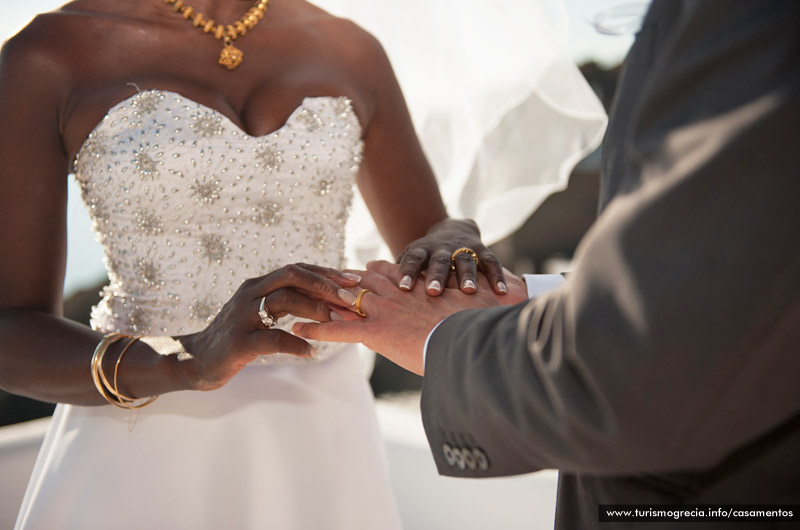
285,447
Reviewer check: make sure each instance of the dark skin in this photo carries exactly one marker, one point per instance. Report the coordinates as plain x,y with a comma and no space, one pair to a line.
59,77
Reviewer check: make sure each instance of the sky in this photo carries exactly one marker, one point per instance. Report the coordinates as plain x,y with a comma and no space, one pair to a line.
84,257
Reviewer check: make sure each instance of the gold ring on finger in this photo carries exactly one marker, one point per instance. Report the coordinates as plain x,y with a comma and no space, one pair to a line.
267,319
358,302
462,250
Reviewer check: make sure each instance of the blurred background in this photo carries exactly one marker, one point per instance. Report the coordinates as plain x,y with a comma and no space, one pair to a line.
601,31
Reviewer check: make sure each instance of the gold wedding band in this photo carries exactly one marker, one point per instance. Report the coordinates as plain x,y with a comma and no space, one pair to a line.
358,302
462,250
267,319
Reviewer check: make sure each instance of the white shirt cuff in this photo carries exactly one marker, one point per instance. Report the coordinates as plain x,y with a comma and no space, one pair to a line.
425,349
541,283
537,284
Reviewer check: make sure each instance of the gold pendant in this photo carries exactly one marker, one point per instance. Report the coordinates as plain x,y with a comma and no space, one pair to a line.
230,57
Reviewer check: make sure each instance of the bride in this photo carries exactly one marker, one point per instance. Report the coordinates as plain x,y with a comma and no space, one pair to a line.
207,153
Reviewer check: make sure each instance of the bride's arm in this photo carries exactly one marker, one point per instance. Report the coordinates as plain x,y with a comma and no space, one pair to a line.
43,355
400,190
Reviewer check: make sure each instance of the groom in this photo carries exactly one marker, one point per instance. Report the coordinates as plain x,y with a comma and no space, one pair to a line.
666,369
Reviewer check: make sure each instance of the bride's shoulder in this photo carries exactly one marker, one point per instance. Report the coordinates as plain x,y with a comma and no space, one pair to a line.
54,46
351,50
34,51
54,26
343,42
50,39
339,35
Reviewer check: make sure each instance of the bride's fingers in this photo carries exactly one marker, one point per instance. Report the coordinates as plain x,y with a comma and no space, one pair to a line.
286,301
411,264
344,278
493,270
466,271
269,341
301,276
438,273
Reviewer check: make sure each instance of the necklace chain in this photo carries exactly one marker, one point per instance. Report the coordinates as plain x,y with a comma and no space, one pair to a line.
230,57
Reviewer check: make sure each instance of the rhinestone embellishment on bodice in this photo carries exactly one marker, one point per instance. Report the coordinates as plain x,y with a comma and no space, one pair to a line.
187,206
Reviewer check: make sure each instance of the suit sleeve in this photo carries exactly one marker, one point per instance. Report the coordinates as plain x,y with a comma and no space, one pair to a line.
675,341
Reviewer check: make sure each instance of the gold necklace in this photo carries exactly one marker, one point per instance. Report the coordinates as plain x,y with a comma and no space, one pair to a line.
230,57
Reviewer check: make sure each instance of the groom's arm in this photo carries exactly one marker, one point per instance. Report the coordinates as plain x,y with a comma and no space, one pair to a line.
675,340
657,354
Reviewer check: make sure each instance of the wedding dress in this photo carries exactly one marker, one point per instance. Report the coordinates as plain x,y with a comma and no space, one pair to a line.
187,206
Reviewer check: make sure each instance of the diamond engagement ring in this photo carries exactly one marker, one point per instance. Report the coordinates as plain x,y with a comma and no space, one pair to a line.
268,320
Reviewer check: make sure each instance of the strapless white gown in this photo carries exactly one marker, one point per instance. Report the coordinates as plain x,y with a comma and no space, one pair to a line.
187,206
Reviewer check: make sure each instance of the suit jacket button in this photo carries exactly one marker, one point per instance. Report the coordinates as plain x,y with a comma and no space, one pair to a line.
480,459
469,458
448,455
459,458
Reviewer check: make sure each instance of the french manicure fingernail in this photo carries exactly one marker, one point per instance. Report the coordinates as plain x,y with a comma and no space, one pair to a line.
468,284
347,297
312,352
335,316
501,286
434,285
405,283
351,276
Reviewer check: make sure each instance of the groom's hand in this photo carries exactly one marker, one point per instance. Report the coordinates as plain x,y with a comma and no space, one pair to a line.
397,322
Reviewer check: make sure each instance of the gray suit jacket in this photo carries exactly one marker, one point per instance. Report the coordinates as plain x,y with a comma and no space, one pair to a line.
667,367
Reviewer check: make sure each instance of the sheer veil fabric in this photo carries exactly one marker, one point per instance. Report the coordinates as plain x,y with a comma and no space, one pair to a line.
502,113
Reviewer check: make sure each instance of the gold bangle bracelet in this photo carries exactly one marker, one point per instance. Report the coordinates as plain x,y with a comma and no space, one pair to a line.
96,364
127,402
113,388
101,382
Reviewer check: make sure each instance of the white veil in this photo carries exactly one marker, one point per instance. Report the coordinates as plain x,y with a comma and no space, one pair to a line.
502,114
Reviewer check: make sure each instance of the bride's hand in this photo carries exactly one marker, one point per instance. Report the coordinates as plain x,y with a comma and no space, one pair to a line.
434,254
237,334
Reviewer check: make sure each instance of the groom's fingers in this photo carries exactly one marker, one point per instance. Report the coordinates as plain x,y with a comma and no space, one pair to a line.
338,313
377,284
385,268
334,331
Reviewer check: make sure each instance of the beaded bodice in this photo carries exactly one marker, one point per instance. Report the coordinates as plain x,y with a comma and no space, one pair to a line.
187,206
